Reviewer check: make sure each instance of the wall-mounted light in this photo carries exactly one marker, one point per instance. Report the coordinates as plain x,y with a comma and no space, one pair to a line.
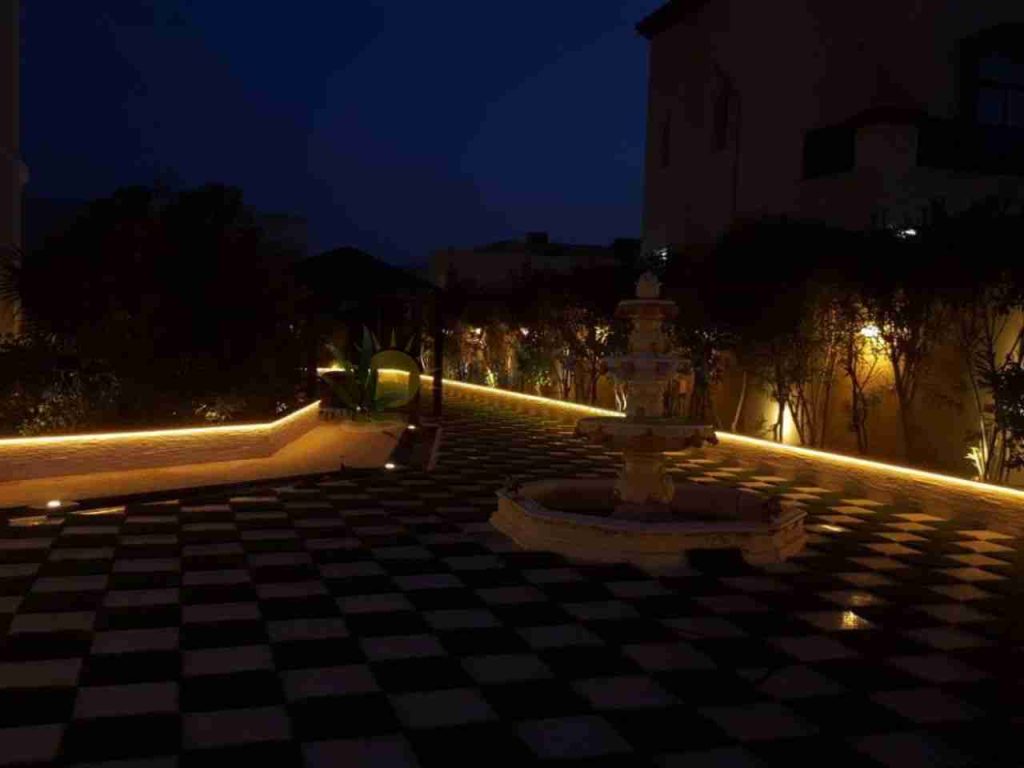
390,465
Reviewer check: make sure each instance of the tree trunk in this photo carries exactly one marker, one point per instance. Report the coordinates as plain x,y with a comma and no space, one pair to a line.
780,420
738,415
826,406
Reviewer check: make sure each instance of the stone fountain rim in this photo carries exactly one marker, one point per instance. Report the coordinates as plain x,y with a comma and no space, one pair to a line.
792,512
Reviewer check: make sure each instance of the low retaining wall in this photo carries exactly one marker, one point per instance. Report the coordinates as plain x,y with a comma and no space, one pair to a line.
944,495
38,457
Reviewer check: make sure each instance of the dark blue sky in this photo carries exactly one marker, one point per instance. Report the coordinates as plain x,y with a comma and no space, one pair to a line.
398,126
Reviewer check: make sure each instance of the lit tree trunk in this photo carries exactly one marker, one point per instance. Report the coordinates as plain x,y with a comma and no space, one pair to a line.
735,426
905,399
780,419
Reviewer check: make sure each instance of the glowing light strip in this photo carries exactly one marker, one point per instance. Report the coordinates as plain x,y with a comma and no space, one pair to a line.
972,486
877,466
113,436
546,401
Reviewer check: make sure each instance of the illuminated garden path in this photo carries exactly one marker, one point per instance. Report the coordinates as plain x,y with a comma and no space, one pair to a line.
372,618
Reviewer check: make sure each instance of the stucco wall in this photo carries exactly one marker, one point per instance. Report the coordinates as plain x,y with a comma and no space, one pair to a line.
27,458
12,170
327,447
934,493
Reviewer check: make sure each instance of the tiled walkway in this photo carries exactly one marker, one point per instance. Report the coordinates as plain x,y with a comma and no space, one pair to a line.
372,619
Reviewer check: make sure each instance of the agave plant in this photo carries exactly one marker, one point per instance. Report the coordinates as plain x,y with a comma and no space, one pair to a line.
354,383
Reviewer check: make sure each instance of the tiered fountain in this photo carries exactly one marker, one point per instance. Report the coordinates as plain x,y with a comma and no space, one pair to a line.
643,516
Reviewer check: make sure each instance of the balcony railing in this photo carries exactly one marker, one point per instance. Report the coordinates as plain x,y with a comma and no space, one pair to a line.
942,144
960,146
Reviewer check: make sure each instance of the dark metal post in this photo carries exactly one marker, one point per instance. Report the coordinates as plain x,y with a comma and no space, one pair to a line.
438,367
415,408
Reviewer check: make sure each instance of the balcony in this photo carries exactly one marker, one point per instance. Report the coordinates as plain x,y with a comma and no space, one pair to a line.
966,147
951,145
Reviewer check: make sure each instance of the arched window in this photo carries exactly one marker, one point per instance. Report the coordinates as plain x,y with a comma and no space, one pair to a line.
994,77
1001,89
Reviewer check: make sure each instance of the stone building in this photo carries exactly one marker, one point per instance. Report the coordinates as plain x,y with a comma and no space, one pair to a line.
857,114
13,173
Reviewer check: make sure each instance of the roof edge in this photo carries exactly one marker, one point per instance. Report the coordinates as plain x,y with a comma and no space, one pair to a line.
667,16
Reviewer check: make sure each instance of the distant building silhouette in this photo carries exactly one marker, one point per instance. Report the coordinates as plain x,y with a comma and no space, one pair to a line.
858,114
505,263
13,173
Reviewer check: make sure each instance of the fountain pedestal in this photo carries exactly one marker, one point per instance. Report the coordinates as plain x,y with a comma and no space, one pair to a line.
644,480
644,487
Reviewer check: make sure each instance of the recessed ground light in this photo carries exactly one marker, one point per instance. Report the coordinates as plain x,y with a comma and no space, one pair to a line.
390,465
55,505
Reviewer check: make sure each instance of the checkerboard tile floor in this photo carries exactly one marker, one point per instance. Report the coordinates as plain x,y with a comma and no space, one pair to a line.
372,618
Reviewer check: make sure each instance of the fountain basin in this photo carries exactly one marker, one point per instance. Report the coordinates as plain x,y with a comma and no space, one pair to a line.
574,518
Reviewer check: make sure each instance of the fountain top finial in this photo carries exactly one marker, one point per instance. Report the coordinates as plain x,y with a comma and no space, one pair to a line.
648,286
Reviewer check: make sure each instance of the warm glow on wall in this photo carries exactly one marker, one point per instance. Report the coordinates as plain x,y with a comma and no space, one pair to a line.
268,427
841,460
579,408
789,432
726,438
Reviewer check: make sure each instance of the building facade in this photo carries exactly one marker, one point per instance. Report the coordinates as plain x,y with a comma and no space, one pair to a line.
503,265
857,114
13,173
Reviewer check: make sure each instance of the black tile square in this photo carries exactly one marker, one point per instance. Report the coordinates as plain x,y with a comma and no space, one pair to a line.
329,652
138,618
127,668
342,717
534,699
707,687
241,690
485,640
112,738
477,744
44,645
297,608
425,674
222,634
35,706
572,662
678,729
386,623
532,614
281,754
443,599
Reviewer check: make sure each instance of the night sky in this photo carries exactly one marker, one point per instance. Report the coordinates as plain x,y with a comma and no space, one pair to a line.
397,126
